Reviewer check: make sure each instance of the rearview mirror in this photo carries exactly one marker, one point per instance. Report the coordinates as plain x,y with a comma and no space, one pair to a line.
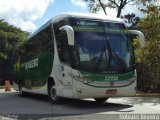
70,34
140,35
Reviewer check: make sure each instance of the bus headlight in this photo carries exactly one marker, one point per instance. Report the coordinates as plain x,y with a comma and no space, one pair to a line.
81,79
84,80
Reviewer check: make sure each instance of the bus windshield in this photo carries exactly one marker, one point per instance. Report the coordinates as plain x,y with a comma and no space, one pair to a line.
103,51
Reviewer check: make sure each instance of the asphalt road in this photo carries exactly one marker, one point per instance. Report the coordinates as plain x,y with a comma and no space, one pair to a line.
38,107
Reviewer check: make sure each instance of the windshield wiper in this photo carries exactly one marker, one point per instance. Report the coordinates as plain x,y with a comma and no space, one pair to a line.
99,59
118,59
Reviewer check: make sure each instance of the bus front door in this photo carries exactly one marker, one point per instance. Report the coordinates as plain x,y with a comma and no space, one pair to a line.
67,81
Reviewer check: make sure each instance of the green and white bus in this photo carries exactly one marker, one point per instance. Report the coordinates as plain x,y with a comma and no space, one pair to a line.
78,56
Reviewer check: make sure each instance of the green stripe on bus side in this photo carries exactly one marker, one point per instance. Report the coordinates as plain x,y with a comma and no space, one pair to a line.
102,77
88,28
98,29
115,30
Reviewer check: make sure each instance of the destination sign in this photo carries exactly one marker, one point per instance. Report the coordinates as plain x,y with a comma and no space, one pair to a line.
87,23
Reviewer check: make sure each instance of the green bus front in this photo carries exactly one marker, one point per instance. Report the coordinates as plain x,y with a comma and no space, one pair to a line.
102,59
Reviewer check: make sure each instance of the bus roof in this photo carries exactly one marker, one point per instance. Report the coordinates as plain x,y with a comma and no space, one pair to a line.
78,15
87,16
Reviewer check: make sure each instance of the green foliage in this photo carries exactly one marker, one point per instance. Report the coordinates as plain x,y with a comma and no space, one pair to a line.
3,56
131,19
148,59
10,38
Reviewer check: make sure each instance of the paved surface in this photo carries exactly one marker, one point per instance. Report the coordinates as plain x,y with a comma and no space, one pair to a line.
3,91
38,107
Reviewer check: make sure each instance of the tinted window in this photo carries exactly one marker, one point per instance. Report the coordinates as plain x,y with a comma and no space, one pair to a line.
41,42
63,47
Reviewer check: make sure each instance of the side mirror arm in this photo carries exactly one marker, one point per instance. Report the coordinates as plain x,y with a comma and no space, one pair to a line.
140,35
70,34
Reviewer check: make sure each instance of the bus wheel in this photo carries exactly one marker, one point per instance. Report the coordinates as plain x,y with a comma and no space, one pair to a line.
21,92
52,94
100,100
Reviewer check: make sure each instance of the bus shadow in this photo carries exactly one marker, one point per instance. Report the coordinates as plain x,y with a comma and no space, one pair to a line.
35,97
77,104
73,107
83,107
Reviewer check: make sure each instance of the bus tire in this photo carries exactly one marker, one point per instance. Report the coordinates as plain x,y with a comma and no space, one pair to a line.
21,92
52,94
101,100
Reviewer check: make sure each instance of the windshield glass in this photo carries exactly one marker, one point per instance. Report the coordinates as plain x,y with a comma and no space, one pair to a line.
102,51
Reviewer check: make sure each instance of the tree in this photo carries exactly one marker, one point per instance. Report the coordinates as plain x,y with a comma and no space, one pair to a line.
148,65
10,37
131,19
95,5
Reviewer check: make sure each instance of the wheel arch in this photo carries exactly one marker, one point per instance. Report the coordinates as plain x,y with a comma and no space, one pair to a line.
50,82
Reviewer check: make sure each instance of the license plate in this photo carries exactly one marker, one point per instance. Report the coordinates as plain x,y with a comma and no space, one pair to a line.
113,91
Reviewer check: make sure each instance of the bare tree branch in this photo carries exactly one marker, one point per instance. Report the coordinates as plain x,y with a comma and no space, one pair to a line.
118,4
113,2
102,5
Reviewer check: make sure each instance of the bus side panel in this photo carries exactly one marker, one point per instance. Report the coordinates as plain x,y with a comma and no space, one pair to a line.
34,61
34,73
37,77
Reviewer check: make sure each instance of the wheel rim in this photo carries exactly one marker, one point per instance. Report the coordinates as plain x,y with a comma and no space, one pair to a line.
53,94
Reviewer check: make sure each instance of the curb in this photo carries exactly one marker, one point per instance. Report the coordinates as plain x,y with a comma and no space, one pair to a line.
3,90
147,95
